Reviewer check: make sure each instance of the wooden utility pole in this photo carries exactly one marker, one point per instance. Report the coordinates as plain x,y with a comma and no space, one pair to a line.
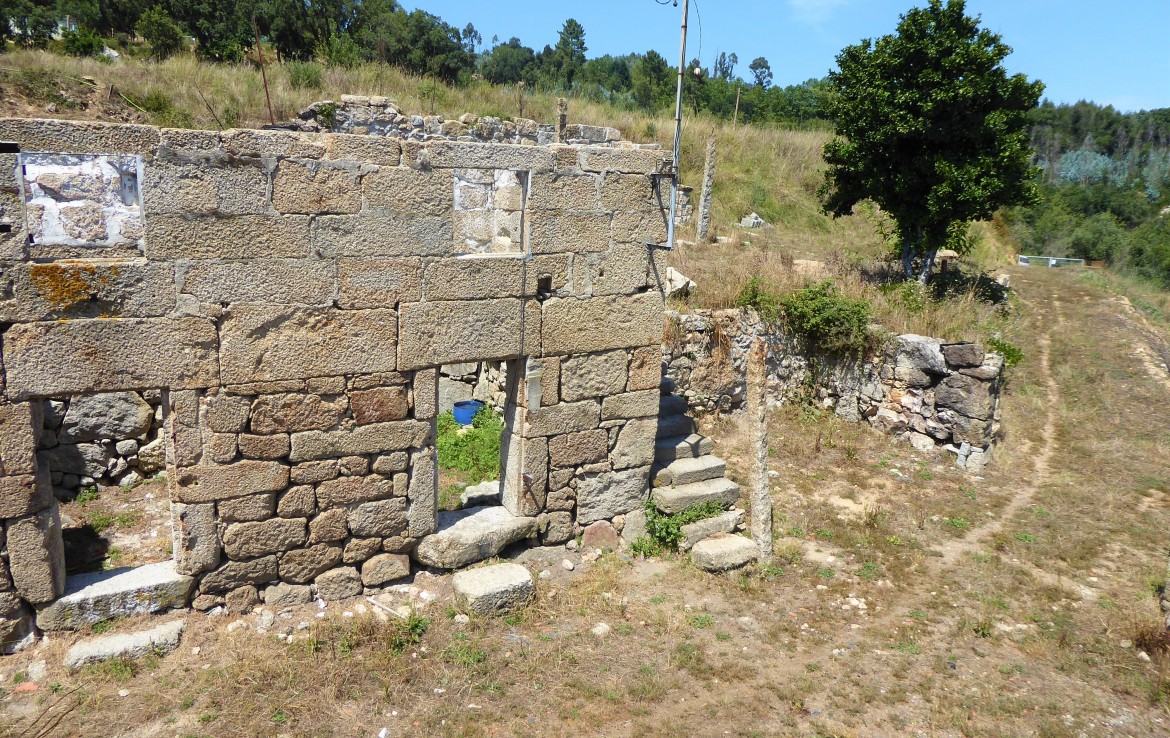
263,74
757,406
735,117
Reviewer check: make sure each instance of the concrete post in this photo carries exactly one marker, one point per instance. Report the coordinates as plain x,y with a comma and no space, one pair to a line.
562,118
757,405
704,229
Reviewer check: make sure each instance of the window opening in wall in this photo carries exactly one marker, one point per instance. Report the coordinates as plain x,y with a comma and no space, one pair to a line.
473,407
104,454
83,200
489,211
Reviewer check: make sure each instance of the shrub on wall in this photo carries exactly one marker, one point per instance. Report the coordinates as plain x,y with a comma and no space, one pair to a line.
829,322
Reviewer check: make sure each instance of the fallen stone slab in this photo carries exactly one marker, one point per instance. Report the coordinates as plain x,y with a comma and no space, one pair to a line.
697,531
481,495
724,552
104,595
475,534
495,588
671,500
160,639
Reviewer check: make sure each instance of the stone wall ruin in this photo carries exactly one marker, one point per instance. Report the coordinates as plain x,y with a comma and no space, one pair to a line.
287,299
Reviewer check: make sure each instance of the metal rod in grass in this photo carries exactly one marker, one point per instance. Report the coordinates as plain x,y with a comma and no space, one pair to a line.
263,74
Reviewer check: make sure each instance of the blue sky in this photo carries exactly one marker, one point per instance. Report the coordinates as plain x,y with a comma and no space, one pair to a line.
1112,52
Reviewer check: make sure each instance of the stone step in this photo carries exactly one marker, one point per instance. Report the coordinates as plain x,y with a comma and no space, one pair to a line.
105,595
671,500
724,552
672,405
723,523
160,640
675,425
688,471
467,536
495,588
693,446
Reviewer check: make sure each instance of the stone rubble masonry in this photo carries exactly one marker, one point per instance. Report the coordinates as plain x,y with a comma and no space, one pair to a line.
929,393
271,326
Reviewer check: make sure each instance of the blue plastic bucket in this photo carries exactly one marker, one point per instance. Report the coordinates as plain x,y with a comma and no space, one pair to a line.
465,410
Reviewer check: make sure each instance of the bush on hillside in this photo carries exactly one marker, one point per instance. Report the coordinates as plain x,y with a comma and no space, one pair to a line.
829,322
163,34
82,42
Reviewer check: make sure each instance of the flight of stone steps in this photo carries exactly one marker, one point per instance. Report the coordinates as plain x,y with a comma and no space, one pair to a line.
687,473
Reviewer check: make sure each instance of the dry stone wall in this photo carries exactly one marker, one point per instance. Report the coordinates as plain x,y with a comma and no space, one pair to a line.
923,390
287,305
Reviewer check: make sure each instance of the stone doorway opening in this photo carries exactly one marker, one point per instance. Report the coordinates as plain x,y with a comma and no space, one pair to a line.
105,457
473,457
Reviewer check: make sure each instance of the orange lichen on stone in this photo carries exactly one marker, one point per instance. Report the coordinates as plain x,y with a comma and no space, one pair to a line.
65,284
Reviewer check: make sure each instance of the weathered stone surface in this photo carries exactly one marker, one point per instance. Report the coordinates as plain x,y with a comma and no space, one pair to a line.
242,600
358,550
922,353
85,356
194,540
291,413
260,343
246,509
329,526
574,449
36,556
255,143
600,534
21,424
161,640
181,188
642,404
303,565
459,155
526,474
602,496
245,237
385,568
381,233
389,463
279,281
297,502
223,413
380,150
283,594
424,493
572,325
379,405
311,472
248,540
339,584
383,518
17,629
378,283
962,355
316,187
495,588
95,288
635,526
637,161
119,593
692,533
478,277
724,552
235,574
407,190
556,528
673,500
965,395
83,459
264,447
25,494
78,137
563,418
435,333
645,369
593,375
636,444
367,439
475,534
210,482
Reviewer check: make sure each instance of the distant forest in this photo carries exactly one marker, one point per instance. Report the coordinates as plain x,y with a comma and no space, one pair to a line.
1105,175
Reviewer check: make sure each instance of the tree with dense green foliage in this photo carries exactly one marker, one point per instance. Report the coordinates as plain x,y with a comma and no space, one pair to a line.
650,80
163,34
222,31
568,55
761,72
931,128
725,66
507,63
31,23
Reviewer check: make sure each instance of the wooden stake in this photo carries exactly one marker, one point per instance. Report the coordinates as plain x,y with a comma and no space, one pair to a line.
263,75
757,406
